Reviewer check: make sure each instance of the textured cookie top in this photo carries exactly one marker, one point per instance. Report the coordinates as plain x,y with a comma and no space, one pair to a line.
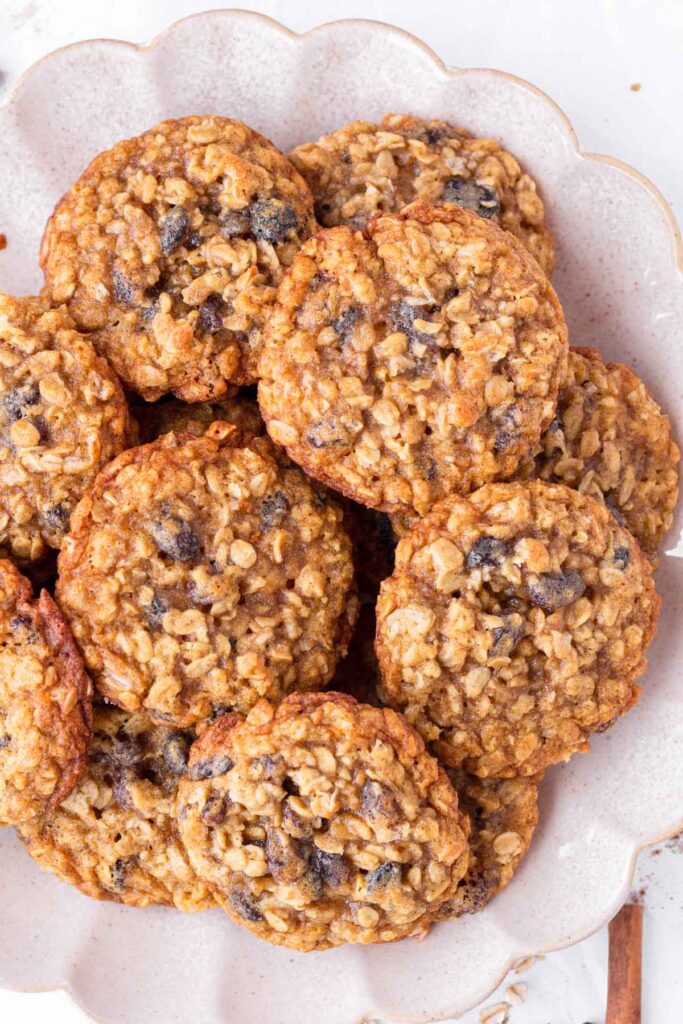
45,702
364,168
62,417
503,814
322,822
115,836
417,357
169,247
514,625
198,575
180,418
610,439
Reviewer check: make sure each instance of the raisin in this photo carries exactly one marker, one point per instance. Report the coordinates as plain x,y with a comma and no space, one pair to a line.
173,228
470,195
211,314
346,321
57,517
126,751
486,552
118,874
175,538
269,764
4,741
508,422
196,240
326,433
378,802
215,810
19,399
20,623
507,636
274,509
333,869
386,874
210,767
235,224
294,824
175,750
244,906
272,220
553,590
288,858
155,611
122,287
622,557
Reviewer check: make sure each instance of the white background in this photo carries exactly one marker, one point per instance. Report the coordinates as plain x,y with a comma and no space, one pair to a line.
586,54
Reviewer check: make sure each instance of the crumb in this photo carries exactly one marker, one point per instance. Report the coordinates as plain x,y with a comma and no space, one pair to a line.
498,1013
525,963
3,239
635,87
516,993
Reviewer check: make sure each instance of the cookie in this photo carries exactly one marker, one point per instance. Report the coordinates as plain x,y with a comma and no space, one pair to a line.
364,169
199,575
503,814
169,248
45,702
181,418
115,836
418,357
322,822
610,439
63,415
514,626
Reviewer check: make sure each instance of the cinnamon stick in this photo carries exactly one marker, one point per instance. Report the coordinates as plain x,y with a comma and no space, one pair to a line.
624,971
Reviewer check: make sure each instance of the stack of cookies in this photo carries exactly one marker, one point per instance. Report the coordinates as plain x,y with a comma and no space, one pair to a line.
237,686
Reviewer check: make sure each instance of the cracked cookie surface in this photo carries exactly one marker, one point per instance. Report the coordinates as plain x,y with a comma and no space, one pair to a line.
515,625
45,702
115,837
364,168
322,822
610,439
503,814
418,357
169,248
63,415
199,575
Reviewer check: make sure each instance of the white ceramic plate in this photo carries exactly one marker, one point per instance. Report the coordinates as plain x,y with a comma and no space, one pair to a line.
620,279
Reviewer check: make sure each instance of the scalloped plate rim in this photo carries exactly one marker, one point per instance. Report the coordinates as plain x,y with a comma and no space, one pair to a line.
445,70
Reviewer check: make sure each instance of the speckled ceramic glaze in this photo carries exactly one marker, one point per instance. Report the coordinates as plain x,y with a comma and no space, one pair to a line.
619,276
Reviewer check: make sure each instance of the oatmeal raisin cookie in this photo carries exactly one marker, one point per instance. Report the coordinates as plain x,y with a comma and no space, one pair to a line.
63,415
199,575
515,625
503,814
115,837
418,357
322,822
169,248
610,439
364,168
45,702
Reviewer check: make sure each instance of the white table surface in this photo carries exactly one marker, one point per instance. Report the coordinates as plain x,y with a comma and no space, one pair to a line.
586,54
